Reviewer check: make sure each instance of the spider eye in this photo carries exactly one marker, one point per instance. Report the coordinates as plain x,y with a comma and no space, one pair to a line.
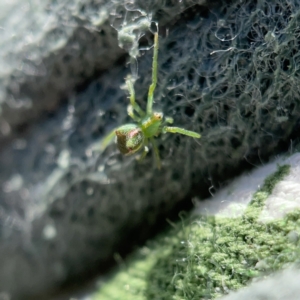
130,138
158,115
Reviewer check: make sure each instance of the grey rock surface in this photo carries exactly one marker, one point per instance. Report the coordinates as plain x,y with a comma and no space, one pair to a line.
229,73
47,49
50,48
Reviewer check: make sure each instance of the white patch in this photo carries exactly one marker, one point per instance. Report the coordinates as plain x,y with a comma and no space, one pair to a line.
49,232
15,183
232,200
286,194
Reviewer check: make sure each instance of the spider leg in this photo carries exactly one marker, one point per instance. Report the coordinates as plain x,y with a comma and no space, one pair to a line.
154,76
130,111
156,153
106,141
144,153
169,120
135,106
179,130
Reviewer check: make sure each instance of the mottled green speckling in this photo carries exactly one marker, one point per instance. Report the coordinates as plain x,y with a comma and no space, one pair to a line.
206,257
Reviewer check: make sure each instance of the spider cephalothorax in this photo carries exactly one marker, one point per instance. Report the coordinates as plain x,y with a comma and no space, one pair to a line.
133,137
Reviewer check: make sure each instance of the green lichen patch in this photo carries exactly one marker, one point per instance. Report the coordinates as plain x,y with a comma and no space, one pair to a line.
209,256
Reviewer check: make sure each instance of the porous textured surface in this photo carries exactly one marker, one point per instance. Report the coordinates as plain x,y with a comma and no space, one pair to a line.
228,72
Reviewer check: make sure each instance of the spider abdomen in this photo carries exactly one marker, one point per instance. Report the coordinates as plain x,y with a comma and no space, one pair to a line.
130,138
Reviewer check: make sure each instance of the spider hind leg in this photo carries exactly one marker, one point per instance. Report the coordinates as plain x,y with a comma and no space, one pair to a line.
156,153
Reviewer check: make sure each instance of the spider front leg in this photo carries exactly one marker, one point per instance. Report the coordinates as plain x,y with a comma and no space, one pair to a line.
135,106
154,76
179,130
130,112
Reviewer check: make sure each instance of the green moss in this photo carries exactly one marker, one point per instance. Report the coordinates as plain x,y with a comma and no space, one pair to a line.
209,256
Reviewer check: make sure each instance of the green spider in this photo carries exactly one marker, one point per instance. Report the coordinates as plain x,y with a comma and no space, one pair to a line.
135,136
